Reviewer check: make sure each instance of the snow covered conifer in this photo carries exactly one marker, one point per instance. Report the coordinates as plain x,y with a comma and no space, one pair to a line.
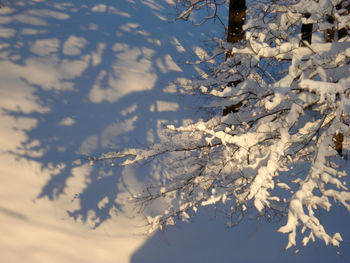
276,152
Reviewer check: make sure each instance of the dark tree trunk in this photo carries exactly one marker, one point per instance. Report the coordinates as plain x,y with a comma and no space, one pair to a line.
338,140
235,33
232,108
330,37
330,33
306,31
237,12
343,32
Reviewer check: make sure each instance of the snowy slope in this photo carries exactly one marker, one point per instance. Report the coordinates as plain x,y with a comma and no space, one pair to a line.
87,77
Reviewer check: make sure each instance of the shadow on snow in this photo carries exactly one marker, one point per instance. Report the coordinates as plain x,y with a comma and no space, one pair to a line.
98,76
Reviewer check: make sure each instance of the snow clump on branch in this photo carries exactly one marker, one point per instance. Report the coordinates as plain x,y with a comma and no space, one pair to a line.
281,104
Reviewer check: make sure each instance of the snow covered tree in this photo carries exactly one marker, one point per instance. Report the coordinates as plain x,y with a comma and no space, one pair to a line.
276,152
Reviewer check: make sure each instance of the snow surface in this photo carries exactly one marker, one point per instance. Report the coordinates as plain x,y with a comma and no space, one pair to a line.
87,77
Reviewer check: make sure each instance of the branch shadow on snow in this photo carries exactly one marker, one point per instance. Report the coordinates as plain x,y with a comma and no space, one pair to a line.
86,78
206,239
93,78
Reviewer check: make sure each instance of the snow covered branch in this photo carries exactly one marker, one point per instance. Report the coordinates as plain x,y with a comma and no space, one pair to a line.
281,104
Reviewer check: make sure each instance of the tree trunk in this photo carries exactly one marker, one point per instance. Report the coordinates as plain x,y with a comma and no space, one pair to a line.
306,31
329,37
338,140
342,32
235,33
237,12
330,33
